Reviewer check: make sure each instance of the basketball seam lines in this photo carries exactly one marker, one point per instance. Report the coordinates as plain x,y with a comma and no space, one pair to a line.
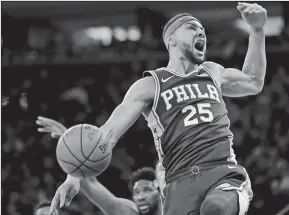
106,140
81,163
81,149
87,158
82,152
99,159
71,165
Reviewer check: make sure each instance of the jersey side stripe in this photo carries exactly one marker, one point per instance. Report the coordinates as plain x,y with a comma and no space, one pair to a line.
157,131
232,156
156,100
158,122
157,93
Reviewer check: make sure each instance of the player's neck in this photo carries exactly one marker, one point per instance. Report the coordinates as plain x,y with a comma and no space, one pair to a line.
181,65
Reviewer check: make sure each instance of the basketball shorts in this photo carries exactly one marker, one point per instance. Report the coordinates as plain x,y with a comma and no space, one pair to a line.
187,189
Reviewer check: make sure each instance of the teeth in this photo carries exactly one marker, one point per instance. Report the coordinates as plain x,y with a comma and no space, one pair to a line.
144,207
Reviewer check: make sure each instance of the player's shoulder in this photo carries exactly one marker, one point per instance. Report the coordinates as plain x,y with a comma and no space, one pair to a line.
213,66
153,72
145,82
142,90
215,70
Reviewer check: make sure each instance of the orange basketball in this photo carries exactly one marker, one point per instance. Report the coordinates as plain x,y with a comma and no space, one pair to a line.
80,152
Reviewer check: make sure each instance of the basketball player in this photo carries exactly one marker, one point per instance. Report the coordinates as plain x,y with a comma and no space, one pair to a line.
145,195
183,104
146,184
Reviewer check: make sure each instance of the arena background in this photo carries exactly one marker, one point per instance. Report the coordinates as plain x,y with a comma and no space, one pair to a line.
74,61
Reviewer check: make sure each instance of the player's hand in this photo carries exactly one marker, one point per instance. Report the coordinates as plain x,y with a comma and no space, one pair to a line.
65,193
50,126
255,15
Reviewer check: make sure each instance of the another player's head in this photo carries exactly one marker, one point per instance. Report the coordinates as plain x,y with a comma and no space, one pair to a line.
185,36
43,208
145,190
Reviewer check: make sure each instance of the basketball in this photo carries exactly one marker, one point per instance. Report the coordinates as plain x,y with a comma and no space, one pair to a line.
80,152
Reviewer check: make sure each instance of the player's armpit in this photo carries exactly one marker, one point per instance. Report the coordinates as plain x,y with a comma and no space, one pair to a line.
235,83
139,97
108,203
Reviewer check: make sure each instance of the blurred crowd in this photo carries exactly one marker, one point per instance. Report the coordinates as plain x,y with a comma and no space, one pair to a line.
88,94
38,79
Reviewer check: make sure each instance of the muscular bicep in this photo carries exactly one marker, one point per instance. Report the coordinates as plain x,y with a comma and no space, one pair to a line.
235,83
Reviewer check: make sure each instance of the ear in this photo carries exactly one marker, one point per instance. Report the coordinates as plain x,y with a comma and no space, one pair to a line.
171,40
156,184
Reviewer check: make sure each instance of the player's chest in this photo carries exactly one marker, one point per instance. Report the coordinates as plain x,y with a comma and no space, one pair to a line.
189,90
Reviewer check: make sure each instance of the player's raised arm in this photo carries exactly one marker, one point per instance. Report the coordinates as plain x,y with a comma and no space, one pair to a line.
108,203
137,99
250,80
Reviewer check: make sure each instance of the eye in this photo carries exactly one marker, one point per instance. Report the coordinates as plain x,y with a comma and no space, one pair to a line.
192,27
147,190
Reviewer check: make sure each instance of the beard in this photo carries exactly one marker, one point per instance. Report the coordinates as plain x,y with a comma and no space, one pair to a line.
188,53
152,209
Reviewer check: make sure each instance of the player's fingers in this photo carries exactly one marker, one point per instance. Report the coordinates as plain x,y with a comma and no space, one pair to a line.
38,122
43,123
44,118
251,10
54,203
241,5
71,195
54,135
244,4
46,121
44,130
247,10
240,8
63,194
261,10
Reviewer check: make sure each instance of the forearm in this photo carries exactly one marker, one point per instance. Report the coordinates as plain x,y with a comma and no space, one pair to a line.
255,62
98,195
108,203
122,118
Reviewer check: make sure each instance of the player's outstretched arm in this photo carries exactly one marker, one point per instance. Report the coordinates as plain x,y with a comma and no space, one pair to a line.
95,192
108,203
137,99
251,80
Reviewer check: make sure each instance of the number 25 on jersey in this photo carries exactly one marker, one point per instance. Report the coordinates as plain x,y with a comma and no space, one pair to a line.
204,114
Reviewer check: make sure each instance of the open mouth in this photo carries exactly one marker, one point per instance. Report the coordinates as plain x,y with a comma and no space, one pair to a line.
200,45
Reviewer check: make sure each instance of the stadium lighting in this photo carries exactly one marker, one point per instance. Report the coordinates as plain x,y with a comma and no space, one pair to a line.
120,33
133,33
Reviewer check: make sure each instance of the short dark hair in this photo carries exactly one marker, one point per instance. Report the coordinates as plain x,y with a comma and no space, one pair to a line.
145,173
42,204
172,20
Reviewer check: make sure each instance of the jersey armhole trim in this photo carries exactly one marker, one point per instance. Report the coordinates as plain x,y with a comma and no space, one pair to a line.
213,78
157,92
